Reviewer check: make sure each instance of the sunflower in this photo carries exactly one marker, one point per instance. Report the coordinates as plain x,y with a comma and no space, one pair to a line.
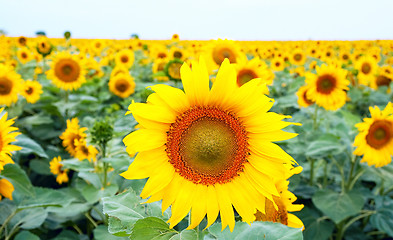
205,150
367,67
73,133
327,87
32,91
375,138
172,69
43,46
220,50
24,55
85,152
297,57
10,84
6,188
96,46
7,136
56,168
176,52
277,64
255,68
302,98
159,66
284,203
22,41
125,58
175,37
122,85
381,78
67,71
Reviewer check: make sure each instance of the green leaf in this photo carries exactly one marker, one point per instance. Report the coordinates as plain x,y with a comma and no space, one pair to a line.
316,227
18,178
45,197
29,218
26,235
152,228
338,206
124,210
77,165
92,194
29,146
257,230
101,232
383,219
325,145
91,178
39,166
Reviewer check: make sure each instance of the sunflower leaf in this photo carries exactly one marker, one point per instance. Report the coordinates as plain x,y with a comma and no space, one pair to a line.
30,146
152,228
18,178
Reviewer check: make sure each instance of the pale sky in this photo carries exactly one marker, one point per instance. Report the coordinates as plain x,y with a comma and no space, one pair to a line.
201,19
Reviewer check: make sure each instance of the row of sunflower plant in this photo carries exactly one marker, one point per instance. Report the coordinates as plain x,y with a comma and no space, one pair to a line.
220,139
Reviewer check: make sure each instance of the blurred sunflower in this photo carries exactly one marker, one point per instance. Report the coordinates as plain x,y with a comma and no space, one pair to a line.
85,152
67,71
374,140
7,136
122,85
32,91
367,67
125,58
6,188
10,85
218,50
277,64
24,55
255,68
172,69
205,150
284,203
43,46
22,41
327,87
57,169
297,57
302,98
159,66
72,134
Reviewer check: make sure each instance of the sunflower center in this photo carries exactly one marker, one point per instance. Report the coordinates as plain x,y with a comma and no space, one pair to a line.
244,76
326,83
124,59
277,64
67,70
22,41
366,68
161,55
297,57
24,55
383,81
174,70
177,54
207,145
219,55
345,57
379,134
121,85
5,86
29,90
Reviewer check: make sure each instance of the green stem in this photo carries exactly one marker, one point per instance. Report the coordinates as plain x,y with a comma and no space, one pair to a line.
350,222
325,173
341,170
315,117
355,178
91,219
77,229
105,165
7,220
101,215
353,164
312,163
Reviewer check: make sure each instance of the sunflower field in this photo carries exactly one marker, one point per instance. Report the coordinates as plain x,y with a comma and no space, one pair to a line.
175,139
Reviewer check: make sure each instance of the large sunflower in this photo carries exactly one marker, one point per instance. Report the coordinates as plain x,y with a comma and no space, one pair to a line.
7,136
327,87
10,84
67,71
375,138
208,150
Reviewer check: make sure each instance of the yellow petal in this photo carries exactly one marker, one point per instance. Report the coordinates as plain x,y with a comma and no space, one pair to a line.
152,112
144,140
159,180
212,206
226,209
182,203
198,210
174,97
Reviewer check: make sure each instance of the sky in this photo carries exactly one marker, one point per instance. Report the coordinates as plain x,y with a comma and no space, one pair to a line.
201,19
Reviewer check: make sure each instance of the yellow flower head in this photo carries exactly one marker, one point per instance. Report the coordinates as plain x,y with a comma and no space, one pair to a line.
122,85
10,85
32,91
327,87
56,168
73,133
375,138
85,152
6,189
206,150
7,136
255,68
125,58
302,98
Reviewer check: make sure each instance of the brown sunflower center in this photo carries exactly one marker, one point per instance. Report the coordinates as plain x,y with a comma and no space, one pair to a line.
383,80
379,134
67,70
326,83
29,90
271,214
245,75
24,55
174,70
5,86
177,54
98,45
219,55
85,150
366,68
124,59
207,145
161,55
297,57
122,85
277,64
22,41
345,57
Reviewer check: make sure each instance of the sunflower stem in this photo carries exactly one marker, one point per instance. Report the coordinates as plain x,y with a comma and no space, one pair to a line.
312,163
315,117
105,165
7,220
